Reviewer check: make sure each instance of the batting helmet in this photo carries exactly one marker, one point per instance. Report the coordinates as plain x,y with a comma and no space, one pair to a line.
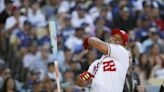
122,33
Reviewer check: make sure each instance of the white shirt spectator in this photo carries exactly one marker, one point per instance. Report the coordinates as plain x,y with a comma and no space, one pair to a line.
94,12
147,43
73,42
16,2
53,76
28,60
38,19
41,64
77,22
66,5
138,5
60,58
11,22
2,5
160,73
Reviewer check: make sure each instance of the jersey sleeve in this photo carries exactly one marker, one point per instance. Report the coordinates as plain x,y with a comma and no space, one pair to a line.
117,52
92,67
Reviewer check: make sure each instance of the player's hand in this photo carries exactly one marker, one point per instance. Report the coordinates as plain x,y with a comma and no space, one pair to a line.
86,76
85,43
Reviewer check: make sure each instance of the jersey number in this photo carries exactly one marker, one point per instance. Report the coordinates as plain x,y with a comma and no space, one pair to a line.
109,66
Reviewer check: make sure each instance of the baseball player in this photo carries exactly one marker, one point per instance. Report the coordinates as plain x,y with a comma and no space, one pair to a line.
107,74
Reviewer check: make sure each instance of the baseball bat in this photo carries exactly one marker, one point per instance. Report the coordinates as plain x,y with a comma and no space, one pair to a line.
53,39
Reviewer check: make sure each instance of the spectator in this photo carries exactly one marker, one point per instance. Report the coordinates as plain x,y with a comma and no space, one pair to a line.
143,25
154,55
22,38
68,58
60,55
135,53
30,57
5,73
80,17
44,57
75,67
125,20
15,22
48,85
2,5
37,86
30,78
91,55
43,36
74,43
52,74
35,16
153,38
9,85
143,68
68,30
159,73
100,28
132,81
6,12
70,88
68,81
94,9
106,13
49,10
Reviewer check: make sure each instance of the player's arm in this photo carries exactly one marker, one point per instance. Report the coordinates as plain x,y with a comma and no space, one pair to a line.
86,77
97,44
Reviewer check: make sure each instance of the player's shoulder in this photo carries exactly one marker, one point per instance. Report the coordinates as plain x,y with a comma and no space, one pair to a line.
120,47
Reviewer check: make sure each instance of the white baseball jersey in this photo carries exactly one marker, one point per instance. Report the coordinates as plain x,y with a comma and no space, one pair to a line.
110,70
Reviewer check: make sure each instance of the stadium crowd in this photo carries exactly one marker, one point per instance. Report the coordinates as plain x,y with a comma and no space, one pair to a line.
26,59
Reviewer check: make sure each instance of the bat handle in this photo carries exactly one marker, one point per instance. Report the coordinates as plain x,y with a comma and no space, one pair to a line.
57,76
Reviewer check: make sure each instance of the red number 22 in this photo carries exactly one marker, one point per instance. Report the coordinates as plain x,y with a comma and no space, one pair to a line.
109,66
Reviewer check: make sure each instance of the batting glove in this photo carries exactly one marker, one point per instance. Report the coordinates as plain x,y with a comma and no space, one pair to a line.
86,76
85,43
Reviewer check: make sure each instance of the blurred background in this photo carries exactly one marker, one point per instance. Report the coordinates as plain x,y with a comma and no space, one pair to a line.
26,59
